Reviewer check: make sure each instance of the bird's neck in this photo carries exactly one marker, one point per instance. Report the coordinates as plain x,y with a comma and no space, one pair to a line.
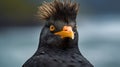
58,50
69,46
62,45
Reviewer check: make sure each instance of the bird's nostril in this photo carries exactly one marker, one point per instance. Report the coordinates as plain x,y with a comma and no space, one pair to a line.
65,30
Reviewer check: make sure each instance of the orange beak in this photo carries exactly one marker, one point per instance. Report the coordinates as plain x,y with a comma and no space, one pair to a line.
66,32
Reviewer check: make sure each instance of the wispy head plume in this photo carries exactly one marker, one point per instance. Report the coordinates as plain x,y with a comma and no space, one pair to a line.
58,9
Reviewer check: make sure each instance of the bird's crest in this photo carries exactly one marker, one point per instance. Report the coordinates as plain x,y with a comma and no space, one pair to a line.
62,10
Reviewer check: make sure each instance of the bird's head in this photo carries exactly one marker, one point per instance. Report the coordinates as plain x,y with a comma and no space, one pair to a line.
60,27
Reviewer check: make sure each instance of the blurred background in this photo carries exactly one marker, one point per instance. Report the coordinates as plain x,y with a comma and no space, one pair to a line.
98,26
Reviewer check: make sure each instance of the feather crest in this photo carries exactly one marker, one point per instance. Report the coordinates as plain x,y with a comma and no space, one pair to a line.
58,9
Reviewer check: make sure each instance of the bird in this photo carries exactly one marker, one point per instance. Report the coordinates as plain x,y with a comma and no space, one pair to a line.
58,43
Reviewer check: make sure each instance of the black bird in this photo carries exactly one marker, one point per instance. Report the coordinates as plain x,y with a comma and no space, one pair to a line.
58,46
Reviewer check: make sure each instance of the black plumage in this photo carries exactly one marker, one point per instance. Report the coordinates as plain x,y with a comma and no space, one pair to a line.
58,45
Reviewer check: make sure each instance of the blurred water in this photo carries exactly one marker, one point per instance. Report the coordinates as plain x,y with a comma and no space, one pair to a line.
99,42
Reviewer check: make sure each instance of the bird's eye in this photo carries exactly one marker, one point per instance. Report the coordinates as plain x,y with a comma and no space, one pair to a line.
52,28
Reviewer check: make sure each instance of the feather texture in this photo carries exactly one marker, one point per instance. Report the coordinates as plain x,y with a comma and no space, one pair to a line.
58,9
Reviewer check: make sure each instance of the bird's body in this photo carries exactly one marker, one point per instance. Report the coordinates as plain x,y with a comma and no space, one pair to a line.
57,58
58,46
